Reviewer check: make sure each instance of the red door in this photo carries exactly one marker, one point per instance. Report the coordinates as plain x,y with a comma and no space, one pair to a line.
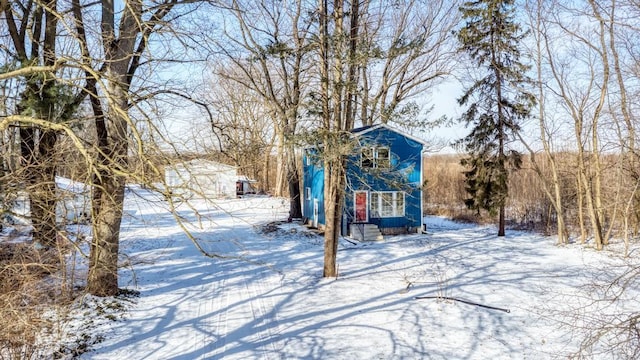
361,206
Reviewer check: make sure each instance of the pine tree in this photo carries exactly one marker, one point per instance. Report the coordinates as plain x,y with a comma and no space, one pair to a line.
497,102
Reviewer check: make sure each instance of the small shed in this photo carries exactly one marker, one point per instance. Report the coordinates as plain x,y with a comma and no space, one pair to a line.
202,179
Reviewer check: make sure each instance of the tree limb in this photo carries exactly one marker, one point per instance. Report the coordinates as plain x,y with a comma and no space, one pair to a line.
462,301
32,70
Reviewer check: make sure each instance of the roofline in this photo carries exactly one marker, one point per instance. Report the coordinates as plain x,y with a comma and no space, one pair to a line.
192,161
376,127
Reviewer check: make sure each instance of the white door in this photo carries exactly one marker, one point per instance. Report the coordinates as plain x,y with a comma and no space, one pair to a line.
315,213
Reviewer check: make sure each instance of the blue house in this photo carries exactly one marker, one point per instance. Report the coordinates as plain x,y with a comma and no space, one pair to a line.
383,192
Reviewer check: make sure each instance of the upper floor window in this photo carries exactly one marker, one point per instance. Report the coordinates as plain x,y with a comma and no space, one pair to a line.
376,157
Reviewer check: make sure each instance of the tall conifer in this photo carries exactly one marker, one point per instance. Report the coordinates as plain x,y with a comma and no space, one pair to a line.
496,102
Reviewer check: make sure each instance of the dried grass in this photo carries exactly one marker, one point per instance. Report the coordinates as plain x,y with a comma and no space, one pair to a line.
27,292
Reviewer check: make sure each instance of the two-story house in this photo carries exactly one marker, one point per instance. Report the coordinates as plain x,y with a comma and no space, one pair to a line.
384,179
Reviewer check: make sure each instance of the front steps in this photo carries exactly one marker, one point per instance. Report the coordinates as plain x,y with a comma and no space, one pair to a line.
365,232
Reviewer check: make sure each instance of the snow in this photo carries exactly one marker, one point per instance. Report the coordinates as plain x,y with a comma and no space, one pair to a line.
268,300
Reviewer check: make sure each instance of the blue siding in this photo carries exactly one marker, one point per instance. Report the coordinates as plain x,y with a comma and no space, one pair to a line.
313,178
402,175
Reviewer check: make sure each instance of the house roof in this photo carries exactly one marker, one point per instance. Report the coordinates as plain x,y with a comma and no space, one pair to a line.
203,163
68,185
361,129
366,129
246,178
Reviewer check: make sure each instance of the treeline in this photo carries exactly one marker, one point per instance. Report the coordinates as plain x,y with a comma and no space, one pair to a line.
528,207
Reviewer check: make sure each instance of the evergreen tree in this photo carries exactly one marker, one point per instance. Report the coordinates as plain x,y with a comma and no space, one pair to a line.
496,103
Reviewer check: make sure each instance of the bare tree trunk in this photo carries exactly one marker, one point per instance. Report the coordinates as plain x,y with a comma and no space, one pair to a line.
580,199
344,110
629,157
332,189
555,196
334,200
107,207
43,195
266,168
108,199
103,259
280,166
563,233
332,220
295,208
597,191
596,226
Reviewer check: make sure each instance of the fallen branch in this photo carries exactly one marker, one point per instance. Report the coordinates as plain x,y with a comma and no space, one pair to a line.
409,284
349,241
462,301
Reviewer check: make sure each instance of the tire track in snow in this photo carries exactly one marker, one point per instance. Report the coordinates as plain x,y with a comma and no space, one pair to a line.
219,301
257,313
246,325
265,317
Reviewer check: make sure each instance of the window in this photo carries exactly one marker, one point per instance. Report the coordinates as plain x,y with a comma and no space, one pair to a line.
385,204
307,158
367,157
382,158
307,193
376,157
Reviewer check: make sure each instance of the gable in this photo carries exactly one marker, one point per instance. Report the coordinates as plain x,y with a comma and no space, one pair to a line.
402,150
363,131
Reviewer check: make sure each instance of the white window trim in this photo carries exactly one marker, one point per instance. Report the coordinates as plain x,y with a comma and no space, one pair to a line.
375,157
376,209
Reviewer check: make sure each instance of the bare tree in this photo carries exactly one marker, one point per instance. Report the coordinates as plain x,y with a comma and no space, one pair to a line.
335,122
268,42
622,30
551,187
243,127
583,93
372,59
404,50
112,60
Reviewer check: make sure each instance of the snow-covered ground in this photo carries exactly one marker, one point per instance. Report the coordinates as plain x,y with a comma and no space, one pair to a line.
269,301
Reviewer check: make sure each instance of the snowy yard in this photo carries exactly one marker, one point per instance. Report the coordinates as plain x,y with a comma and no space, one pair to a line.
274,304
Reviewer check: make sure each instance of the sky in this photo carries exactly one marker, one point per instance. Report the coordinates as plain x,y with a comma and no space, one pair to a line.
188,126
445,102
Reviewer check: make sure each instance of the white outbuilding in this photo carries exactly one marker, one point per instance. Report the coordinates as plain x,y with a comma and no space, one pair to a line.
202,179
